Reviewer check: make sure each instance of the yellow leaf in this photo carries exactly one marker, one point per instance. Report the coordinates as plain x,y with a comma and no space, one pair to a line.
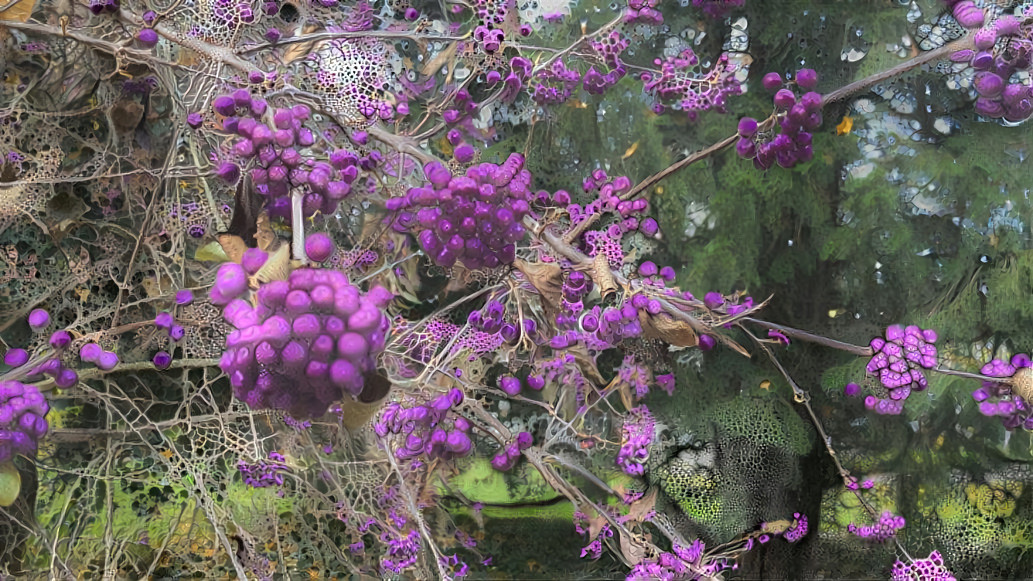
10,483
845,125
630,151
17,10
211,252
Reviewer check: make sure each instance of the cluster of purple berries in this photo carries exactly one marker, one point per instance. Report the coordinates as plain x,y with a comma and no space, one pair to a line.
429,430
308,340
94,353
22,412
474,219
897,359
554,84
885,528
796,119
280,166
99,7
50,365
1002,49
685,85
636,438
508,456
492,319
1010,399
263,474
928,569
644,12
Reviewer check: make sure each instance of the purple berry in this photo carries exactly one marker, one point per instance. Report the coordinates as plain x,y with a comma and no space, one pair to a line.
318,247
38,319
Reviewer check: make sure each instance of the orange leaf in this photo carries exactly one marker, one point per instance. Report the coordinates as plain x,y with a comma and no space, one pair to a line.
17,10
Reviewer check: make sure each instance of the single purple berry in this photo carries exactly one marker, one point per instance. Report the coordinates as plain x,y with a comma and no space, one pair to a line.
16,357
318,247
184,296
162,360
38,319
195,120
90,352
147,37
60,339
107,361
772,81
706,342
806,78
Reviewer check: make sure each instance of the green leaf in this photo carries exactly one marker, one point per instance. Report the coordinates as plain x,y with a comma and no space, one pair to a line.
10,483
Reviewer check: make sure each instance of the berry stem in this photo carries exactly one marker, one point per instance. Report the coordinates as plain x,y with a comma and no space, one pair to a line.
812,338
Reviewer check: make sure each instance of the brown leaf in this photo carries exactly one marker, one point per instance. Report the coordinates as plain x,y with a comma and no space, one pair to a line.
587,365
301,50
441,59
547,277
233,246
641,508
664,327
602,275
266,238
632,549
17,10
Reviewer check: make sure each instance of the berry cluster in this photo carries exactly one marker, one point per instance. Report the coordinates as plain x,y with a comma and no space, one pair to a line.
51,364
796,118
897,359
683,83
22,412
798,529
636,438
928,569
625,215
280,166
94,353
1002,49
308,340
508,456
555,84
99,7
473,219
429,430
263,474
885,528
1011,399
644,12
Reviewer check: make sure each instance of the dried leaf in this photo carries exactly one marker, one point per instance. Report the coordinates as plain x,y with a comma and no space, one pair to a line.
277,267
641,509
441,59
586,363
233,246
632,549
547,277
211,252
602,275
301,50
664,327
17,10
265,236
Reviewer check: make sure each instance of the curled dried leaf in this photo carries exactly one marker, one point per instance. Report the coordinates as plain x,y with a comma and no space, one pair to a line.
264,235
602,275
233,246
277,267
546,277
667,329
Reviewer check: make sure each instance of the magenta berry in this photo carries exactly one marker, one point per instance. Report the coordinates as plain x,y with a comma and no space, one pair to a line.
318,247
